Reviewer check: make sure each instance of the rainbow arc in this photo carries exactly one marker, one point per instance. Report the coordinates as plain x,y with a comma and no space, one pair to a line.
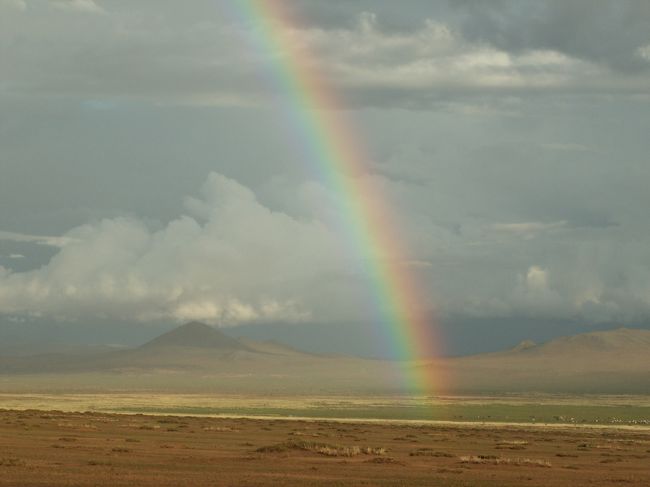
331,145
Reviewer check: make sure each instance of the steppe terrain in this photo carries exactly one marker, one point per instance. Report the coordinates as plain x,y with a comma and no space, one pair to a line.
39,448
197,407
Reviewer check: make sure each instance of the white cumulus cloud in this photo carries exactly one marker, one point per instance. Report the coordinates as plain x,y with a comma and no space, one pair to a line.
230,260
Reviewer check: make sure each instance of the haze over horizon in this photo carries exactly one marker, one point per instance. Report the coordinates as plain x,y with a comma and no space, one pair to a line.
148,178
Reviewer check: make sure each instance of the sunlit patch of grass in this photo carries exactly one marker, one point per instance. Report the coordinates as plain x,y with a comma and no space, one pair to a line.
545,409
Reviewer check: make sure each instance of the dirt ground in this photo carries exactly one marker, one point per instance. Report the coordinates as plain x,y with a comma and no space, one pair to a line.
57,448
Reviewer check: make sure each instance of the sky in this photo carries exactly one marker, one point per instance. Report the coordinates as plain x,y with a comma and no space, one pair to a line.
147,175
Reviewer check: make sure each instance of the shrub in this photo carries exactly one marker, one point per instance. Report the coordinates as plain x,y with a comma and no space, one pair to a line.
321,448
494,460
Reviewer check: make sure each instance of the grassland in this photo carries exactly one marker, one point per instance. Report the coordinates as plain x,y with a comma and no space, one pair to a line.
539,409
64,448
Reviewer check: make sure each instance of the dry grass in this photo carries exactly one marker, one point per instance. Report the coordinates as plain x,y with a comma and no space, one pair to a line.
495,460
512,445
430,452
321,448
12,462
218,429
302,433
384,460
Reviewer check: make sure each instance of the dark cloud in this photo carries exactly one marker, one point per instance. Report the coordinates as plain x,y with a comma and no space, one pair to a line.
387,54
598,31
510,137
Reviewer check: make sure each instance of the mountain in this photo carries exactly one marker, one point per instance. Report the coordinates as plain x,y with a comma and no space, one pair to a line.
272,347
198,358
525,345
192,346
606,361
198,335
621,340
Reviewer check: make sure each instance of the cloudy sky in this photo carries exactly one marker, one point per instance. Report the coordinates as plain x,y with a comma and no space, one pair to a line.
147,176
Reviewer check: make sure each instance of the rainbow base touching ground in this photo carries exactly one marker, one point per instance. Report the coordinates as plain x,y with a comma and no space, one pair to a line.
331,146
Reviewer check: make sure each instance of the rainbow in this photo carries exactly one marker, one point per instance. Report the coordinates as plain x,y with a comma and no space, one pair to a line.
331,145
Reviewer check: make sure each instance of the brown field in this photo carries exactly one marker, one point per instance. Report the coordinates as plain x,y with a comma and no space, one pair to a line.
68,448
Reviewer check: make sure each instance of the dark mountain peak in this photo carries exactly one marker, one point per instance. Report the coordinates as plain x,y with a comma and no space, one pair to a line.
196,327
198,335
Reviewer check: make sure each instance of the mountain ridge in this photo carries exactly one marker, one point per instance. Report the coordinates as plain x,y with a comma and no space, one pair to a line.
605,341
195,334
200,356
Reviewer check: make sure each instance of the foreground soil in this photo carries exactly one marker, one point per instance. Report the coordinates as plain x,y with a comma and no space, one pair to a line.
57,448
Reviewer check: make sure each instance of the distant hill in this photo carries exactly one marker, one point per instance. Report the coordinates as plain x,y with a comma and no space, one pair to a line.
525,345
272,347
197,357
193,348
196,334
621,340
604,361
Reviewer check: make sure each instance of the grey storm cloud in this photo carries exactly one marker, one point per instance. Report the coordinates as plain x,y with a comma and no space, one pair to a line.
205,57
510,138
611,33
